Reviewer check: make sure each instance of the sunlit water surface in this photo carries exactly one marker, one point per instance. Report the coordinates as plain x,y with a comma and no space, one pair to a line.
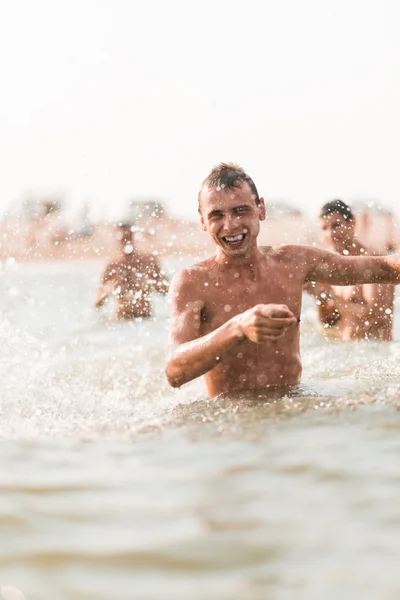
114,486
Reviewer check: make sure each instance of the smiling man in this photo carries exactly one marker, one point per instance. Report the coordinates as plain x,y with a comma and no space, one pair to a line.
357,311
235,316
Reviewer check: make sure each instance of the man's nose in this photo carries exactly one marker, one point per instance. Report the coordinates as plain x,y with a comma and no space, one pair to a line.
231,221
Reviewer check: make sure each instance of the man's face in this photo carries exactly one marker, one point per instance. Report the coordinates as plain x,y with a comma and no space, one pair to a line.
338,232
125,239
232,218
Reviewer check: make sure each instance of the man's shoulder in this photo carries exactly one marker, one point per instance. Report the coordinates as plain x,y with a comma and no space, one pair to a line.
112,266
287,251
149,261
192,277
144,257
198,269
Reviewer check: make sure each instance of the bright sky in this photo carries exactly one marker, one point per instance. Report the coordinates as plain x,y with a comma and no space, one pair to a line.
105,100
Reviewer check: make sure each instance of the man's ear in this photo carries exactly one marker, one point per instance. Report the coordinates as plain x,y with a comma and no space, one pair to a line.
262,209
203,225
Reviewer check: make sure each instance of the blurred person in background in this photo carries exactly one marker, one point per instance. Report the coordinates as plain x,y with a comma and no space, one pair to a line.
390,244
131,278
363,311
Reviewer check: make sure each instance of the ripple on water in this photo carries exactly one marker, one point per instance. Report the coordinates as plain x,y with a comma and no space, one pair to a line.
179,496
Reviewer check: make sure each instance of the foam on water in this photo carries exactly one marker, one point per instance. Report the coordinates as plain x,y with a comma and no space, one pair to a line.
79,390
178,496
91,378
69,371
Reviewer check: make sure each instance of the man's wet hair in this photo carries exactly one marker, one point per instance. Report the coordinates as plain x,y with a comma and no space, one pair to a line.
229,176
337,206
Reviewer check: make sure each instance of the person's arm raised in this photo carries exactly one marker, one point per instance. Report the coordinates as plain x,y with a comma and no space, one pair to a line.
106,285
327,267
193,355
159,278
326,302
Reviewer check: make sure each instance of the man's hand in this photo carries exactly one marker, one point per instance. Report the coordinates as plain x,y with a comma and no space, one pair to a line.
265,322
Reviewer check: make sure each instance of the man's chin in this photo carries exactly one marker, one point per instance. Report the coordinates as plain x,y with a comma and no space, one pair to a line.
234,252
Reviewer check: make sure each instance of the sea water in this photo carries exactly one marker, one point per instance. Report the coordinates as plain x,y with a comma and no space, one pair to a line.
114,486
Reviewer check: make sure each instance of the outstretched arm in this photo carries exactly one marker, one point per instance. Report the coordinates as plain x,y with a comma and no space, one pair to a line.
334,269
191,354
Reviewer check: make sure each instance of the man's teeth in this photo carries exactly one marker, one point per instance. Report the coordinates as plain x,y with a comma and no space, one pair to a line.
233,239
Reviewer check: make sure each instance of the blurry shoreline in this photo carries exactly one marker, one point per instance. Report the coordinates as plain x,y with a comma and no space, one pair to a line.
44,237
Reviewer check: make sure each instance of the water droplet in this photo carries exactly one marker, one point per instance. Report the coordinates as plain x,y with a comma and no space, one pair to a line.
128,249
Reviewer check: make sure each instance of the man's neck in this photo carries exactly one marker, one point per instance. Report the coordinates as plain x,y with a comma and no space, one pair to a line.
129,257
250,261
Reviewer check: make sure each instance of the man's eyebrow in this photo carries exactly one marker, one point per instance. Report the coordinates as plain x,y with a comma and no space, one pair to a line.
213,212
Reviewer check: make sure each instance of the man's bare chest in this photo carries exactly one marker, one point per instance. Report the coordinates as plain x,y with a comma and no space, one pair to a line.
131,276
223,302
352,293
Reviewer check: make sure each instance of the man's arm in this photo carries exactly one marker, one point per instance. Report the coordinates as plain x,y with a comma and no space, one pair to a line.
334,269
160,277
191,354
106,285
327,304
